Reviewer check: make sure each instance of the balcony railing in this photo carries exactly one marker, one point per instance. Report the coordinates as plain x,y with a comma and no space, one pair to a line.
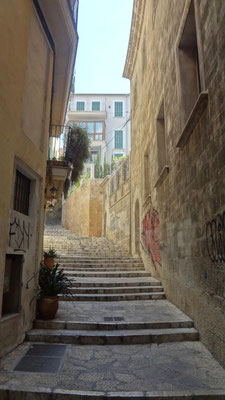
58,139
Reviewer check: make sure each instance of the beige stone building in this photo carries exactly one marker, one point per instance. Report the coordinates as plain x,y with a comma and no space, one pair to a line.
38,40
176,64
116,205
82,210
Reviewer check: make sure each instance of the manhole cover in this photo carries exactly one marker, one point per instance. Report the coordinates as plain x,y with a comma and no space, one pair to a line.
45,358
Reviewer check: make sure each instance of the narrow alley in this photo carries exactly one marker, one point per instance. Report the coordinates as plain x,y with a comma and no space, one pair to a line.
117,337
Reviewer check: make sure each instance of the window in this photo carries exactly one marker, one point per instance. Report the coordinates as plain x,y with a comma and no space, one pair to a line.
118,108
98,127
21,193
90,127
161,140
189,65
80,106
12,284
95,105
112,184
95,129
118,139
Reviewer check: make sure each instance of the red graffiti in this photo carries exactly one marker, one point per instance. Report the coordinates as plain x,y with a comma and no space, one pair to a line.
150,235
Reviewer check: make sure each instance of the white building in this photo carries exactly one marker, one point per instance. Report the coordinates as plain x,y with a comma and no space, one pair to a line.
107,120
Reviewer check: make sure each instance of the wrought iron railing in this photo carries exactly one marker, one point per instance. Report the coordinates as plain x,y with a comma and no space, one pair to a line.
58,139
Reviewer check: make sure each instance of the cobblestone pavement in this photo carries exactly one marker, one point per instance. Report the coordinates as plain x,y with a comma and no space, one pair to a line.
167,367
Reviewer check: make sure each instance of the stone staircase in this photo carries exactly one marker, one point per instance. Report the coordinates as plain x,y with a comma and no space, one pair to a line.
121,338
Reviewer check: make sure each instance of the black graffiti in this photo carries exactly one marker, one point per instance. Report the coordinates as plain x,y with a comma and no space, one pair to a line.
215,238
19,235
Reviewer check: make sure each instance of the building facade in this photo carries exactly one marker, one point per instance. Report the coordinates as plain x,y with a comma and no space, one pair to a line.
176,64
107,120
35,75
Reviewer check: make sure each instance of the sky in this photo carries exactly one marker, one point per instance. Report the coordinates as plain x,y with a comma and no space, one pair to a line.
103,29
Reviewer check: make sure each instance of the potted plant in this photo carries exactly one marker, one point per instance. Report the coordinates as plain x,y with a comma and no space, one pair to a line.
49,257
52,282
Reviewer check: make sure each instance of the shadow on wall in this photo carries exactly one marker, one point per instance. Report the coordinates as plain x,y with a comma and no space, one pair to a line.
54,217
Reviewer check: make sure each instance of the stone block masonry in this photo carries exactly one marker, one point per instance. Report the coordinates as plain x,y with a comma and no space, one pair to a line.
82,211
177,154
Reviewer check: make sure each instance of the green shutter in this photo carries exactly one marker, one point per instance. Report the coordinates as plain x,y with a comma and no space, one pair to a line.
118,139
95,105
118,108
80,106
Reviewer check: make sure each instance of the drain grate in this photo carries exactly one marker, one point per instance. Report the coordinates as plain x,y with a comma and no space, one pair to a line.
111,319
45,358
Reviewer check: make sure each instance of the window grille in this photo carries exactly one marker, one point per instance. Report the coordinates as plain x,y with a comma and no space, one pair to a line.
21,193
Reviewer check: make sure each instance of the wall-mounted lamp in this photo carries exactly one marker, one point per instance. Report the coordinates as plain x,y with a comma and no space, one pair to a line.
53,190
50,208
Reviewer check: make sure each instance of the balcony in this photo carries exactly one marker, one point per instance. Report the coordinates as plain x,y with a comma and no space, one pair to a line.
58,167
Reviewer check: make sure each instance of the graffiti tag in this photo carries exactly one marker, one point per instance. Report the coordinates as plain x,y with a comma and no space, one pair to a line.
19,235
150,235
215,238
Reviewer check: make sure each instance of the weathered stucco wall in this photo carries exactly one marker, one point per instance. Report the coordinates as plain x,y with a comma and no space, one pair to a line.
82,211
175,210
21,234
116,206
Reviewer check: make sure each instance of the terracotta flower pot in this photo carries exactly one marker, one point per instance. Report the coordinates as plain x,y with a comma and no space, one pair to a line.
49,262
47,307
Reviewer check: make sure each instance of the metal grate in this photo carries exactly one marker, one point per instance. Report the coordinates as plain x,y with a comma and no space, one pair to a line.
21,193
45,358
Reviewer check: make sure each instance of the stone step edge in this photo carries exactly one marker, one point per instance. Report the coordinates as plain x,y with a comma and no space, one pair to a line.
113,297
117,289
142,336
99,285
117,325
22,392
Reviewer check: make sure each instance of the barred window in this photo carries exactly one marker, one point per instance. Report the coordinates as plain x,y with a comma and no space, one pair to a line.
21,193
118,108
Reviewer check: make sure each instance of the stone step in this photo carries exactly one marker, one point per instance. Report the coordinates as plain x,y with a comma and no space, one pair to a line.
112,282
91,260
101,265
71,270
121,274
114,297
114,290
110,326
96,262
123,337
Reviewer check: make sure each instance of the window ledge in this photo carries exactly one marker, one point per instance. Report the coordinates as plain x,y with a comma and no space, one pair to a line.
163,174
193,119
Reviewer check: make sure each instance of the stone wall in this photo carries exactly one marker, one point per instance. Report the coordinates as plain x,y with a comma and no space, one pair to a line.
23,149
82,211
116,206
178,155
